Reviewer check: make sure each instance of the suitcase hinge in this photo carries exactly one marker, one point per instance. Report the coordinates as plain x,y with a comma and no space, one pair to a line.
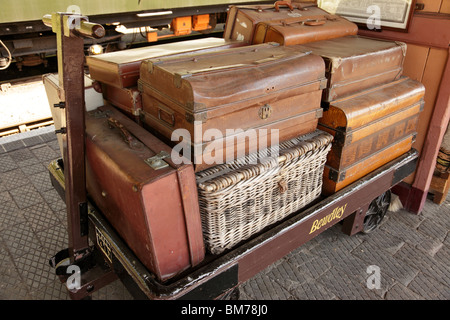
156,162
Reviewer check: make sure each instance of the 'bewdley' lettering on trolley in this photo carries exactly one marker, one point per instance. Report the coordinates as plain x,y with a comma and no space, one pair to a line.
336,214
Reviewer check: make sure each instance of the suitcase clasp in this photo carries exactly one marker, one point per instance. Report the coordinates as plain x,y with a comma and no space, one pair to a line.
156,162
265,111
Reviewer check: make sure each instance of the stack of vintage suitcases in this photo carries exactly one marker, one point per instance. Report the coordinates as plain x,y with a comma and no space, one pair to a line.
204,143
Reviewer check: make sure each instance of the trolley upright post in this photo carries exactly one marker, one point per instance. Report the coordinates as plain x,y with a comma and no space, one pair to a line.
77,262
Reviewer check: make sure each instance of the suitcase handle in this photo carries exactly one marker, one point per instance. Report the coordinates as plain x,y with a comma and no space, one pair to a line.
132,142
277,5
314,22
307,22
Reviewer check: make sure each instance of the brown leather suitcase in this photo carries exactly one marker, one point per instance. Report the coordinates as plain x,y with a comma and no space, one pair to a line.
368,123
121,69
126,99
285,23
253,87
355,63
151,202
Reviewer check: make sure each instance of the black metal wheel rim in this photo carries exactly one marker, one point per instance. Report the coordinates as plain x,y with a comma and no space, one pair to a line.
376,212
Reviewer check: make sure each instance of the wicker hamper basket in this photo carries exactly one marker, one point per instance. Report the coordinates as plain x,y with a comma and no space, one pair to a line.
240,198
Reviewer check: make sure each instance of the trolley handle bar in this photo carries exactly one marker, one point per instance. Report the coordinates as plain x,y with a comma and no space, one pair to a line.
79,25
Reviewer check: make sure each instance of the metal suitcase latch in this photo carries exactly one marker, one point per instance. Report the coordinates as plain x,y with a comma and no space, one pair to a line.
156,162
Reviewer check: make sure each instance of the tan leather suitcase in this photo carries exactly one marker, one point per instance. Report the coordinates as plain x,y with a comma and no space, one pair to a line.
121,68
247,88
150,201
367,124
355,63
285,23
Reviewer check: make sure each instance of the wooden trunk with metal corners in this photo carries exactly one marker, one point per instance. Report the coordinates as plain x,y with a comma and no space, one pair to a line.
230,95
370,128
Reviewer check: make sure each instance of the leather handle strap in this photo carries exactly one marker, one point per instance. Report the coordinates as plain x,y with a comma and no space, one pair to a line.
277,5
314,22
126,135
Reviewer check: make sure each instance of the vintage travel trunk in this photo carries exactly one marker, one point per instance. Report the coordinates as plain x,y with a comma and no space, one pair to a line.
150,201
355,63
285,23
231,94
121,69
370,128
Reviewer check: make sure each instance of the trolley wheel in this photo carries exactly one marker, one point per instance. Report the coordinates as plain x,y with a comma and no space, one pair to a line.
376,212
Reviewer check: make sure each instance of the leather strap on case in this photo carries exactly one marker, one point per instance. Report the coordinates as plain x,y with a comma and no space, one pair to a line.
188,190
132,142
277,5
